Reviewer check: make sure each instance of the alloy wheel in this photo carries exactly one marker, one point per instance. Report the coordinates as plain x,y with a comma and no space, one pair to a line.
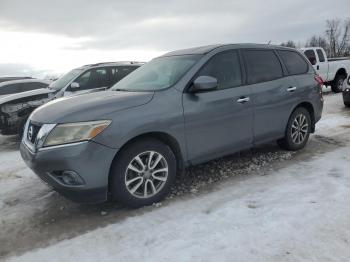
340,84
300,128
146,174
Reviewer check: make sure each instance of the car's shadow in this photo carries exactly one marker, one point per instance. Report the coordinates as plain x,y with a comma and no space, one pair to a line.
9,143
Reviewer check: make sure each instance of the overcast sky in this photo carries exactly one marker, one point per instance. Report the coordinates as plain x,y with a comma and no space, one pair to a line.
52,36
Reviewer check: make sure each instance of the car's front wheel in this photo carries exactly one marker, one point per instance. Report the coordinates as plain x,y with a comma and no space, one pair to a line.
143,173
298,130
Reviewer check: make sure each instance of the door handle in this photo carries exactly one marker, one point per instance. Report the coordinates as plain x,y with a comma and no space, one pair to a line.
243,100
291,89
318,67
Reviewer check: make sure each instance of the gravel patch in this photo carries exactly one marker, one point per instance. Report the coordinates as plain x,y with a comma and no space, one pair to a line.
244,163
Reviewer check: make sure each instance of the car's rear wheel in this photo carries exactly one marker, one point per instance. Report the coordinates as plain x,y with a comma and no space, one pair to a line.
347,104
337,84
143,173
298,130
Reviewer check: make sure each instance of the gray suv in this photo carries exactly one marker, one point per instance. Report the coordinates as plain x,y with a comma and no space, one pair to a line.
183,108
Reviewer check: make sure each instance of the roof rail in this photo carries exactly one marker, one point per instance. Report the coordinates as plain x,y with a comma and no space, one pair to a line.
117,62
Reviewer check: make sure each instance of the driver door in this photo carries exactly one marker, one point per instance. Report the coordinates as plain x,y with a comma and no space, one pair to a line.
219,122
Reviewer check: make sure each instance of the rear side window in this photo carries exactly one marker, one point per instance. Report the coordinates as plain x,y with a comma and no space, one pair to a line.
118,73
262,66
225,67
94,78
320,55
295,64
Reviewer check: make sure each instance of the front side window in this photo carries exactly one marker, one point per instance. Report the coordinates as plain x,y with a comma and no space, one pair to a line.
93,78
294,62
225,67
158,74
65,79
262,66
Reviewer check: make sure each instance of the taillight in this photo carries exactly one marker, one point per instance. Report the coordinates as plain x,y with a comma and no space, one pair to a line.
319,81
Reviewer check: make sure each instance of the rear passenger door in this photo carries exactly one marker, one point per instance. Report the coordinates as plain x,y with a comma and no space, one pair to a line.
297,66
273,93
220,121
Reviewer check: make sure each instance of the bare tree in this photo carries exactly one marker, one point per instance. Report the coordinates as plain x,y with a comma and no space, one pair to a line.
345,39
318,41
338,36
289,43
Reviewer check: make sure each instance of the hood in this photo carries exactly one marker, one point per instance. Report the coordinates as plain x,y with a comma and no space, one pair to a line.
8,98
92,106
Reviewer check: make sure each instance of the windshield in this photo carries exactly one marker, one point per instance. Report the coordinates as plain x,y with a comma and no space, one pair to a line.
65,79
158,74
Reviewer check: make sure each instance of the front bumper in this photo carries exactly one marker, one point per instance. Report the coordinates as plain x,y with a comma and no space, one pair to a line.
346,95
90,160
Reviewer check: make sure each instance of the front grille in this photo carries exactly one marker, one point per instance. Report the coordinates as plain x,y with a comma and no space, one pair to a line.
32,132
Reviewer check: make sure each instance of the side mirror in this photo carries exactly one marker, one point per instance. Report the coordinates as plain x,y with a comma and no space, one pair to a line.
204,83
312,60
74,86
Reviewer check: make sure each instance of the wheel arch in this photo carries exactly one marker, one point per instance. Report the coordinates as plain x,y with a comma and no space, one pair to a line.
310,108
166,138
341,71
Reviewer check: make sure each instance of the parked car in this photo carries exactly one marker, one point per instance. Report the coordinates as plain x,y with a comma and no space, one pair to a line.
10,78
346,93
18,86
183,108
15,109
332,70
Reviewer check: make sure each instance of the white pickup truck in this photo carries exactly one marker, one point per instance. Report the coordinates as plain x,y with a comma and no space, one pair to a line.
332,70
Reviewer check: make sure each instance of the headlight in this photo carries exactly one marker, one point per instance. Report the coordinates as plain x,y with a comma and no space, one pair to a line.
75,132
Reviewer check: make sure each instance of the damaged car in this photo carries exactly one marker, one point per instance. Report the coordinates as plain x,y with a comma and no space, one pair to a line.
16,108
18,86
16,104
10,78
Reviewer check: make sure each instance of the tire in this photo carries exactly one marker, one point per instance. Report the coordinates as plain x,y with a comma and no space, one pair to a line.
125,167
347,104
290,141
337,84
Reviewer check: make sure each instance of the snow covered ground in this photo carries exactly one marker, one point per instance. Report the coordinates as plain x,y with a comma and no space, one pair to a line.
264,204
